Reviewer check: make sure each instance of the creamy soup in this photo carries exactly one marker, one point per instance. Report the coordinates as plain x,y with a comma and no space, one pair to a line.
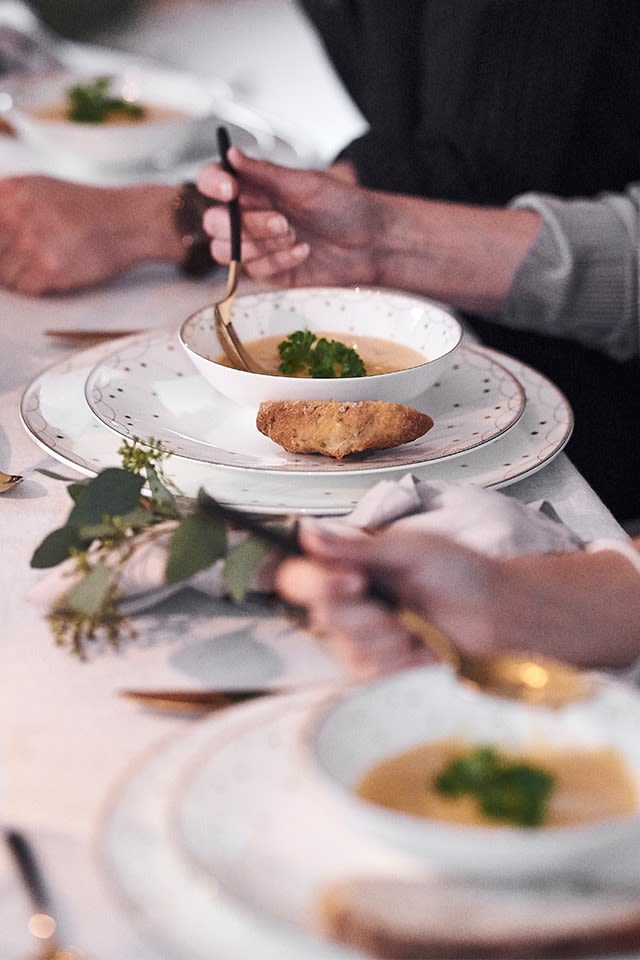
59,112
377,354
589,784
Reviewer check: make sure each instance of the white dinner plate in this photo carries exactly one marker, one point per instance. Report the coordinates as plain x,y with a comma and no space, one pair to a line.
220,845
149,387
55,413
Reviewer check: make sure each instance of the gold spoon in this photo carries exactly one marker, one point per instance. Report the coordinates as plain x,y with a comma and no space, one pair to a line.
42,924
8,481
516,675
229,340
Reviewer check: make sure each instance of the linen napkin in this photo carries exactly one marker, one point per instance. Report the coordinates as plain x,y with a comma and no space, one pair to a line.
485,520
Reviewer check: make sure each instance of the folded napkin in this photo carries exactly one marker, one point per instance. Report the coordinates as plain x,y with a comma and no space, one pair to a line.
486,520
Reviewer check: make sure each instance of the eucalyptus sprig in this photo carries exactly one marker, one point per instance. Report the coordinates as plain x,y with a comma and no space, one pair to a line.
111,517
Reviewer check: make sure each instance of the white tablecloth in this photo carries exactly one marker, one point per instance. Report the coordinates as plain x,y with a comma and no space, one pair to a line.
66,738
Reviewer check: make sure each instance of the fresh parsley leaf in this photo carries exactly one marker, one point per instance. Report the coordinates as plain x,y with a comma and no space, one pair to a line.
94,103
469,773
320,358
294,351
513,792
518,794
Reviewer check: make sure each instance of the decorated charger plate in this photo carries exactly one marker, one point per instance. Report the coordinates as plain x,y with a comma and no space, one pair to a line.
220,845
150,388
55,413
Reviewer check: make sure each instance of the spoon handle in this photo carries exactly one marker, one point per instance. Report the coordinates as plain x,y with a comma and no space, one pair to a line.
224,142
25,860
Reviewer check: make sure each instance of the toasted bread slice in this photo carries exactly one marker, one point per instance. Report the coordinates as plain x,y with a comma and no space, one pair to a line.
337,429
407,919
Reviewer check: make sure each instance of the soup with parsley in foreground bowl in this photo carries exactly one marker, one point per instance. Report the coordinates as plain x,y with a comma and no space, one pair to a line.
480,786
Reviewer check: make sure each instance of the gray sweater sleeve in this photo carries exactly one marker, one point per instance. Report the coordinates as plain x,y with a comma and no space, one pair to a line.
579,279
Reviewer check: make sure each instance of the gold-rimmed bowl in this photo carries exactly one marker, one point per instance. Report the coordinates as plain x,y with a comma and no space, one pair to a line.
429,328
374,722
175,105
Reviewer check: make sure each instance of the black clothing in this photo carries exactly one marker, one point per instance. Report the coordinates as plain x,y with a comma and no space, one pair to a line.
477,101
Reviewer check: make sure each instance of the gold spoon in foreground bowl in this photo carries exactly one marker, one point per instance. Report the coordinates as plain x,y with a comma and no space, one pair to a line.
8,481
516,675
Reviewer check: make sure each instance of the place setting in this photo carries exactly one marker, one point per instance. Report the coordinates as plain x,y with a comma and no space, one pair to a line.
495,420
280,817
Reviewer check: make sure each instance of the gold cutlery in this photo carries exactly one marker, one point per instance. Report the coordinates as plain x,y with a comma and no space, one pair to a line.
516,675
196,701
225,331
8,481
42,924
81,335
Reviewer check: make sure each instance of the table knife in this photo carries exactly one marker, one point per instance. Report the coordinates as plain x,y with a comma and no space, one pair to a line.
197,701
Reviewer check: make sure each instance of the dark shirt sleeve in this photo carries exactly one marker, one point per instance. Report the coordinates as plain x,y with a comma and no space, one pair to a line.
479,100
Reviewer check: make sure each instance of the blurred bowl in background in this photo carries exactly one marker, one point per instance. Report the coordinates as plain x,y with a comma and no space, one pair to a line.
175,105
428,706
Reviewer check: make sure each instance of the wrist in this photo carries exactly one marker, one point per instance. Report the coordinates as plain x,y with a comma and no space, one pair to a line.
157,222
142,224
189,207
466,256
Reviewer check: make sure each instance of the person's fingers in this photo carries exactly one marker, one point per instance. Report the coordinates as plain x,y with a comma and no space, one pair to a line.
302,581
369,639
216,183
222,186
367,663
256,224
279,264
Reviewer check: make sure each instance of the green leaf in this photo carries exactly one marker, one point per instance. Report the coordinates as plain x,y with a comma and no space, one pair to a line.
303,352
55,548
93,103
513,792
295,350
136,519
88,596
163,500
77,490
518,795
241,565
114,492
469,772
197,542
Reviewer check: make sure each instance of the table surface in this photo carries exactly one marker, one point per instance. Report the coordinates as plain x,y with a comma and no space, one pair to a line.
66,737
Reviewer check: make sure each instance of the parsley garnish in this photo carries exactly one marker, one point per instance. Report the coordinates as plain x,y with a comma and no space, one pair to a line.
303,352
515,792
93,103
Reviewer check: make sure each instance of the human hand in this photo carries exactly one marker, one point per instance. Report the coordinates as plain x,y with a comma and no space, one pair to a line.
450,585
56,235
582,608
299,227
